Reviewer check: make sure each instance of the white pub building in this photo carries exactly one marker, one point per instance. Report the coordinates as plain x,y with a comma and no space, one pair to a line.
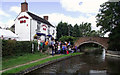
29,25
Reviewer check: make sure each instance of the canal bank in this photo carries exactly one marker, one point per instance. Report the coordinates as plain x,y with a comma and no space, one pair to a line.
113,54
90,64
35,65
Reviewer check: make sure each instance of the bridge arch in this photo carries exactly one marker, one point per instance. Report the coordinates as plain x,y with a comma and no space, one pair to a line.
102,41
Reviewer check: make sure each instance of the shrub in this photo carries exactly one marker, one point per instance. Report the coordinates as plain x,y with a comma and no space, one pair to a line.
68,38
19,48
12,47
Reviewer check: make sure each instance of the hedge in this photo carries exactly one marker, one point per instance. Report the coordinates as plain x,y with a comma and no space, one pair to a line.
12,47
68,38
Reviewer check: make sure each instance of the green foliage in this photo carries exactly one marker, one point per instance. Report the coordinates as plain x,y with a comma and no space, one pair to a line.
82,30
62,29
70,30
8,47
114,39
16,48
68,38
109,20
76,31
85,29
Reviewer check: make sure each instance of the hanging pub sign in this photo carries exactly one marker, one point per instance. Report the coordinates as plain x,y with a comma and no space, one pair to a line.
44,27
23,17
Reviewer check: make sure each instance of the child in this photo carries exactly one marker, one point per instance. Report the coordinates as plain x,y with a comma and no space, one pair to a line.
59,49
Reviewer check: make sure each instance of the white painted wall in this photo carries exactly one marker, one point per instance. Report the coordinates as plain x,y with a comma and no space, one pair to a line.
53,30
33,28
26,31
42,27
21,29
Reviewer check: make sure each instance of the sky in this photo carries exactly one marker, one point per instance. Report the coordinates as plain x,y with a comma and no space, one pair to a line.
70,11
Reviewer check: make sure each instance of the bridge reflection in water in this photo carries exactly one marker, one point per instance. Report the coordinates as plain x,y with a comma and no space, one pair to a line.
82,65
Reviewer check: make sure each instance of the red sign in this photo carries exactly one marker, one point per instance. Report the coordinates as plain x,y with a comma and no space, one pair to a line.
23,17
44,27
23,21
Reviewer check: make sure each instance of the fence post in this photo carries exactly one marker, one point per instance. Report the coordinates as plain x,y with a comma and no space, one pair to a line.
32,48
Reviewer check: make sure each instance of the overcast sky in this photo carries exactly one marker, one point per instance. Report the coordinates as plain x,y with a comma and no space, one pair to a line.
70,11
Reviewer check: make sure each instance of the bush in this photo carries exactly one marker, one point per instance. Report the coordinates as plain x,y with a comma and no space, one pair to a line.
68,38
12,47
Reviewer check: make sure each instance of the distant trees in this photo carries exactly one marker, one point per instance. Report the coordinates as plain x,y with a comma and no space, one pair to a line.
82,30
62,29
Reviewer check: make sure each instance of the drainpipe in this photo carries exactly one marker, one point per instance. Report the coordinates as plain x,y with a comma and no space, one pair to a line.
30,29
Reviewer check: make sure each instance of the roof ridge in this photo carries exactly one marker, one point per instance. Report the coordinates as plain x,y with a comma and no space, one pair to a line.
38,18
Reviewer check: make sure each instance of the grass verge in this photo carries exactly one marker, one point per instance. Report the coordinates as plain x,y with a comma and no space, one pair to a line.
17,60
15,70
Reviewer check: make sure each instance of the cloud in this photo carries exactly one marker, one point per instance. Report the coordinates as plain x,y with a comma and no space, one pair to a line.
9,23
55,18
2,24
2,13
15,9
84,6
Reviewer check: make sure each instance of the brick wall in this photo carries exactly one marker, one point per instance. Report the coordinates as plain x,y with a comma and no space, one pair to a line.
98,40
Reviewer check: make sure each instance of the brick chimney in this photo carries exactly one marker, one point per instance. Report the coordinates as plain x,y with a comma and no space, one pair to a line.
24,7
46,17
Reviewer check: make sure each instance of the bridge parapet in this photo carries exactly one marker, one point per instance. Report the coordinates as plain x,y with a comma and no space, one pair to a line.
103,41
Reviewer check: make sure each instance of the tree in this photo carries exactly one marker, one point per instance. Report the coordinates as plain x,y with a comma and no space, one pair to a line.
109,20
85,29
68,38
59,32
114,39
76,31
93,33
62,29
109,16
70,30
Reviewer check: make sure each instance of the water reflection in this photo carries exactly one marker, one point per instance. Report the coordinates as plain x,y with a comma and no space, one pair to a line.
83,65
103,54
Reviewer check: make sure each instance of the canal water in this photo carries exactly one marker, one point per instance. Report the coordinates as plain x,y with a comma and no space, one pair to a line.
82,65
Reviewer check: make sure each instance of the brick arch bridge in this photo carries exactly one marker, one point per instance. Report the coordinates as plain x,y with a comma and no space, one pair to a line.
103,41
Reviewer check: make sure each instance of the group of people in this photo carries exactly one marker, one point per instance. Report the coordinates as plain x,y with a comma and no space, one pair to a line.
41,44
62,47
57,47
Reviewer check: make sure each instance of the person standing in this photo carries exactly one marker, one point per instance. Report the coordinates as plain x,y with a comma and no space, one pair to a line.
63,48
75,48
56,47
52,45
69,44
59,49
39,44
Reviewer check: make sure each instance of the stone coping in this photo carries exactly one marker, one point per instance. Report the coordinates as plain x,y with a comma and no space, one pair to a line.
113,55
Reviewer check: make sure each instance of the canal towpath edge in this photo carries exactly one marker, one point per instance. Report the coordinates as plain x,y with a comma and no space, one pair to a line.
32,62
27,63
